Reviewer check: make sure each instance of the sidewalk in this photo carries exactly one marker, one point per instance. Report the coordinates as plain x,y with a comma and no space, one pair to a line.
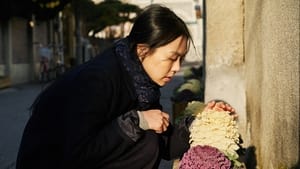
14,104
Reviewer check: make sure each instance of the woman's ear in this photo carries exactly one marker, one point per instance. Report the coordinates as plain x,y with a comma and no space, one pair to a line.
142,51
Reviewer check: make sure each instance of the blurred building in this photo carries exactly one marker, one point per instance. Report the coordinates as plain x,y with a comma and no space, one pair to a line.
20,43
188,10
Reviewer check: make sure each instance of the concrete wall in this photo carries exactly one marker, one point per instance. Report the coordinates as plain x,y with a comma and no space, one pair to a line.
252,62
272,85
19,68
224,55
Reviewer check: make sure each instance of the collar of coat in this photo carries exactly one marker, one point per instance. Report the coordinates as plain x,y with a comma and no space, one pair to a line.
147,91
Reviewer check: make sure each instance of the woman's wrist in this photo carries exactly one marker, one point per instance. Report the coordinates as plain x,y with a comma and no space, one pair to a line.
143,124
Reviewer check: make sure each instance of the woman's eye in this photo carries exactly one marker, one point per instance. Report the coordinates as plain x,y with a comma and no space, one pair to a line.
173,58
181,59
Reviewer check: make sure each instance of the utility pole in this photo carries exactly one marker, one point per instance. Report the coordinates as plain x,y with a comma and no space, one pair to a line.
77,31
61,38
33,71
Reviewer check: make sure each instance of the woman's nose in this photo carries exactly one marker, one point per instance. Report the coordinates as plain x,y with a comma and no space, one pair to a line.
176,66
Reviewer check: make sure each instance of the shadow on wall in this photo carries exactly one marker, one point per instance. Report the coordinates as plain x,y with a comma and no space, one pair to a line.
247,156
250,158
297,166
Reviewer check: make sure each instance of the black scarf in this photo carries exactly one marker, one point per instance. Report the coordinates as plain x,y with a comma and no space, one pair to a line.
147,91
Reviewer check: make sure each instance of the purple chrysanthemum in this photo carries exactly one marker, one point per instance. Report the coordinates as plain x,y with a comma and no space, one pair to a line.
204,157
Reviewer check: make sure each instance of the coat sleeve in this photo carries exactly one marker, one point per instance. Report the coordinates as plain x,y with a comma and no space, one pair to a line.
94,134
176,139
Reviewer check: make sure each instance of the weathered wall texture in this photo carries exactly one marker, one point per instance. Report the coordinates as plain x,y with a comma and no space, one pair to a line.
272,80
224,58
253,63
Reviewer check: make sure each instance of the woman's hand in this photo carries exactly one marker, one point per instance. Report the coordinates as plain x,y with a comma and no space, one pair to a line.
157,120
220,106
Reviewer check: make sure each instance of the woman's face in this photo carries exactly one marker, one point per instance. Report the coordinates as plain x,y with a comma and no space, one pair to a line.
162,63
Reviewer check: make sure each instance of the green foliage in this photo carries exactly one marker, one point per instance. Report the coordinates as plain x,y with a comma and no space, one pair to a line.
192,73
187,73
42,9
192,109
9,8
47,9
193,85
98,16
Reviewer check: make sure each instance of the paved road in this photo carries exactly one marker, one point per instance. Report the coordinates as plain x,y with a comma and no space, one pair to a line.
14,104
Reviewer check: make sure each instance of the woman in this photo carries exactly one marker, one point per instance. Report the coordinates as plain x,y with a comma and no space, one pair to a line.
106,112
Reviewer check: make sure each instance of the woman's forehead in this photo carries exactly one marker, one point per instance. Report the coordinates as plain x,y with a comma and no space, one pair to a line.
178,46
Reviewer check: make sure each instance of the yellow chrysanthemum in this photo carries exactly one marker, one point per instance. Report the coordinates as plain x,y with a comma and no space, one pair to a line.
217,129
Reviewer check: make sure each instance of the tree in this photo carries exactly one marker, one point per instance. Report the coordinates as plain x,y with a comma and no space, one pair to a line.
42,9
111,12
10,8
95,17
47,9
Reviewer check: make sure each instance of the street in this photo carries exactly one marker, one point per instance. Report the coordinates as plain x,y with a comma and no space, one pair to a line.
14,113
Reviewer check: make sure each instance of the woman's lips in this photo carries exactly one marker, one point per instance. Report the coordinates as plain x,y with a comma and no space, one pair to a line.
168,78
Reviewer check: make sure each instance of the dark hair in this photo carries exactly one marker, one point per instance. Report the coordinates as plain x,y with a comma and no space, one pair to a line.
157,26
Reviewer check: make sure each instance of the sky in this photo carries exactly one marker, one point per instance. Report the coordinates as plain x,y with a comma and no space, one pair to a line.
97,1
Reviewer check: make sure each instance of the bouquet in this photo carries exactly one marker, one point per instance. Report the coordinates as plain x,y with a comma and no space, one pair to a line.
214,141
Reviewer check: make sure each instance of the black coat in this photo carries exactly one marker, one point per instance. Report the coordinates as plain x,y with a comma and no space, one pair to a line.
87,120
